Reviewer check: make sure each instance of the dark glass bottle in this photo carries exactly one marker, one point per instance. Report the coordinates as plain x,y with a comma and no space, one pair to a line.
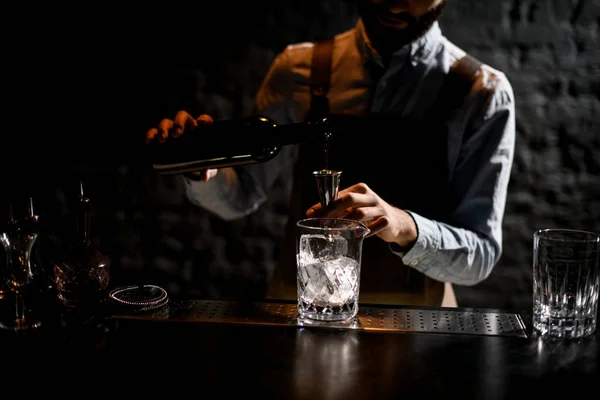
82,277
233,142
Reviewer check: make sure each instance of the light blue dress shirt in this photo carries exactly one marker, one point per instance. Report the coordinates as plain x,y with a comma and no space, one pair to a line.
480,166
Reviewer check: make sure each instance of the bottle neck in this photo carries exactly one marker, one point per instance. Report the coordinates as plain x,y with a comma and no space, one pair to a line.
302,132
83,220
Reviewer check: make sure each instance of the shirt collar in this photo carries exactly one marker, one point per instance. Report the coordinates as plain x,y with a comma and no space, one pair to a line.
417,51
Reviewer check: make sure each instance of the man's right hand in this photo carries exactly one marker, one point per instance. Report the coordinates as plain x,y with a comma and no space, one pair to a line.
172,129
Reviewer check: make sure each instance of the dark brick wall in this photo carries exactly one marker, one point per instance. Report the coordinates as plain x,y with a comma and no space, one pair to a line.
550,52
548,49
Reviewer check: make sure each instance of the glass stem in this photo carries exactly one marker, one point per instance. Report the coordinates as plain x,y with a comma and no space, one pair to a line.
20,309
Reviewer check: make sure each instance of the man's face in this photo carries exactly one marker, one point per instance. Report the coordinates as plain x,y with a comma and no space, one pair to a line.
391,24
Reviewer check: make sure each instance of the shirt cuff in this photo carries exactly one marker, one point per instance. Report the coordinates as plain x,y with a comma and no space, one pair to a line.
427,242
226,197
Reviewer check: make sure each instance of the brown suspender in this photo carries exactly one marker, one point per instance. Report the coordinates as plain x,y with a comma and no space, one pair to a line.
321,61
457,85
320,79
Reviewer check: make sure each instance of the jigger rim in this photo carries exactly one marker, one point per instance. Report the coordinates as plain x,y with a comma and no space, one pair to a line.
327,172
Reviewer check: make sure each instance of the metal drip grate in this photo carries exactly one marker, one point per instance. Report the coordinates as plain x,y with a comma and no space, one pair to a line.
442,321
438,320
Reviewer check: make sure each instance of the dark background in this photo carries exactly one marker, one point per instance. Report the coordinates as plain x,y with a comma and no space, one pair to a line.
84,84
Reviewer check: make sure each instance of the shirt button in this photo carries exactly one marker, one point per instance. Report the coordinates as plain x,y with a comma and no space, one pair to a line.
414,262
383,83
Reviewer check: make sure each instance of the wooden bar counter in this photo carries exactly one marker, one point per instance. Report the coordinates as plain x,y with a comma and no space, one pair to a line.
225,349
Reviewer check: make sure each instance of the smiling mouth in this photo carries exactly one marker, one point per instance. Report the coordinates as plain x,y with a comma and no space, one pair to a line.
395,11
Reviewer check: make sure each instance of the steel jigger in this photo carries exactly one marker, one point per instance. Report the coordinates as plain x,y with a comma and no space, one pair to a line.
328,183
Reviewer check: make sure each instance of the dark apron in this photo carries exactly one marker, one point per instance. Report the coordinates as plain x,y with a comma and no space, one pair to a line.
404,161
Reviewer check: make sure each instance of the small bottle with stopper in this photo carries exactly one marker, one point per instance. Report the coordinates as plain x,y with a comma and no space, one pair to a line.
82,277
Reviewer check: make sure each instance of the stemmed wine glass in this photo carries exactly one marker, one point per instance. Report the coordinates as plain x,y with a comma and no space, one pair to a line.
17,239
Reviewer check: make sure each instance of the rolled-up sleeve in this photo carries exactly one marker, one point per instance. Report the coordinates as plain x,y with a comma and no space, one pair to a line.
236,192
466,251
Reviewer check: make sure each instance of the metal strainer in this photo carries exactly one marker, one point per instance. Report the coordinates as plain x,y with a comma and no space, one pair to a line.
139,297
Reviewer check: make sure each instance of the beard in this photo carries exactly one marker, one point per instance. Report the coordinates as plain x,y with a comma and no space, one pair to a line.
388,32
